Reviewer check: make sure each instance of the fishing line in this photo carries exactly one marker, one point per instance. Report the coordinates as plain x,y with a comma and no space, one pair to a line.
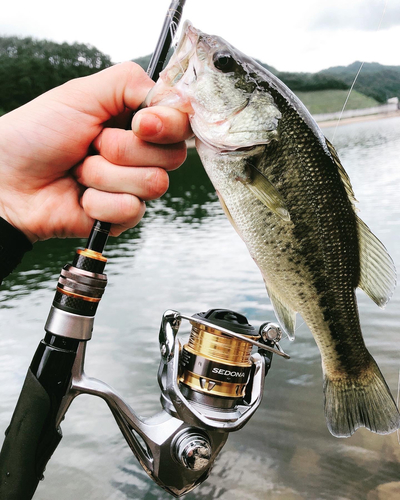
173,30
397,403
358,72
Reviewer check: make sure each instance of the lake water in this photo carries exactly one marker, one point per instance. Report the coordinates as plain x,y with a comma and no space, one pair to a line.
186,256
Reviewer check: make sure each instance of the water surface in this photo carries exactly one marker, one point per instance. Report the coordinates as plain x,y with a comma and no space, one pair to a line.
186,256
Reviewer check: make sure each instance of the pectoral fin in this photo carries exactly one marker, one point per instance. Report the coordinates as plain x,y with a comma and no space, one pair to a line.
265,192
283,312
227,212
378,273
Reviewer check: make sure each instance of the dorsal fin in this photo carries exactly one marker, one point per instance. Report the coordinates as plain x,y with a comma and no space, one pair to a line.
343,174
377,270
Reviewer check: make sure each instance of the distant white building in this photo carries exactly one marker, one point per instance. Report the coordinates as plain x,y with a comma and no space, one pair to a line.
393,100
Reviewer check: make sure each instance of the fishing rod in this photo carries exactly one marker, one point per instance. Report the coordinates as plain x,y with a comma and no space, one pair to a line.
101,230
210,386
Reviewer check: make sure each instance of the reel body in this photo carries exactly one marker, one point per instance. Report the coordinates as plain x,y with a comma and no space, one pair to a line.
207,388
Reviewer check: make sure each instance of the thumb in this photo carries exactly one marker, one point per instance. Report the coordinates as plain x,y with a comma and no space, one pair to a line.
109,92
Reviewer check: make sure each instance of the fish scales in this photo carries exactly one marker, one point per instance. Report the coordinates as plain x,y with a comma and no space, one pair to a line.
285,192
301,248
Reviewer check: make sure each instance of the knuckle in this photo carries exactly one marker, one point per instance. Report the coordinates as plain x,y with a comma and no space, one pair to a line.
95,177
132,68
112,148
88,202
134,73
128,205
178,155
157,182
131,209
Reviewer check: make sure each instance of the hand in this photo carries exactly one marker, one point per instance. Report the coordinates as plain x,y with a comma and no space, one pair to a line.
51,182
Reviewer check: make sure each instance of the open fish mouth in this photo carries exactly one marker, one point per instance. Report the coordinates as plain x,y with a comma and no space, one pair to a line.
165,92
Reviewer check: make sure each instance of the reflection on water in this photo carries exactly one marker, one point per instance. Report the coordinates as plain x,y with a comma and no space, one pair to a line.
186,256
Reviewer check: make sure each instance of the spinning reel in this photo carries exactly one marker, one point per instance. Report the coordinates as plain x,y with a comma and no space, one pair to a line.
210,387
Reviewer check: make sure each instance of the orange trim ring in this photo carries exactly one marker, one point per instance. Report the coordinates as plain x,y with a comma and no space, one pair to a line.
78,296
91,254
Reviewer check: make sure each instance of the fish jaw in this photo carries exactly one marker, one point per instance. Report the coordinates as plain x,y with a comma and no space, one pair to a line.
228,111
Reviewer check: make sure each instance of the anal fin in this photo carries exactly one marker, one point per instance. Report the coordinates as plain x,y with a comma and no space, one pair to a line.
377,270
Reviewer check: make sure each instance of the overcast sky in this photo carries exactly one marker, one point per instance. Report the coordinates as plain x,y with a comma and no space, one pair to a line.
291,35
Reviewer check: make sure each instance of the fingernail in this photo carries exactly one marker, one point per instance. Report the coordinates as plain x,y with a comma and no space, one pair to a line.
146,125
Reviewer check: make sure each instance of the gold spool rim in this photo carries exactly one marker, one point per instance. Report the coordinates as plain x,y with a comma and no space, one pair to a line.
215,330
217,359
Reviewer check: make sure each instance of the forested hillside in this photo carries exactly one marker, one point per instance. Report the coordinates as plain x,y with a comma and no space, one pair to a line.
30,67
375,80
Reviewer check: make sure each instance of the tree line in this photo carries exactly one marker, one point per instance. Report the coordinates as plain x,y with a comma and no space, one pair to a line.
29,67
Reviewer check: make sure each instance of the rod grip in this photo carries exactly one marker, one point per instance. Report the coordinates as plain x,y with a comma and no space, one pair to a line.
30,441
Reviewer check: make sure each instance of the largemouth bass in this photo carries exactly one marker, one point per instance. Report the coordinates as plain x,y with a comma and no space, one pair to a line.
283,188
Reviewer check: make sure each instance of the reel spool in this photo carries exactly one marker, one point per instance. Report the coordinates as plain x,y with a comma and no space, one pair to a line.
215,367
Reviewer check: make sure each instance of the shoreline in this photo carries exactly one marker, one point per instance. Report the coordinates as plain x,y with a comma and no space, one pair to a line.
190,143
355,119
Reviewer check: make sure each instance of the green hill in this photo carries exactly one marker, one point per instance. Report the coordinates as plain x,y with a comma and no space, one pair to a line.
330,101
375,80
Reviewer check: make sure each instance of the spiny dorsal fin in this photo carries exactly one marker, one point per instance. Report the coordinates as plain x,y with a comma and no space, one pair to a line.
283,312
266,192
377,270
343,174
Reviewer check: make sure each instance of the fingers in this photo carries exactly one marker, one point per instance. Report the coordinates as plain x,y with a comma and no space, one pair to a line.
161,125
147,183
122,147
121,209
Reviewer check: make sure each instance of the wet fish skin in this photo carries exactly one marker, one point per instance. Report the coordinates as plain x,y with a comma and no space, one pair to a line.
283,188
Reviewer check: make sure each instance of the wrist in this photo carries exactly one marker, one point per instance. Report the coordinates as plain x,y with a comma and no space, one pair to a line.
13,221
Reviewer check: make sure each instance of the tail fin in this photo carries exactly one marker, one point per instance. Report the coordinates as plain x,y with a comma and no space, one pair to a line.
362,402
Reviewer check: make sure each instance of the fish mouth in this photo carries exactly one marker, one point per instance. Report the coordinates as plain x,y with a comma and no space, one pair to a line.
189,32
165,92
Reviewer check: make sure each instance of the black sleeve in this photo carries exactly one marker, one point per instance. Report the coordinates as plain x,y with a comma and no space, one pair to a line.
13,245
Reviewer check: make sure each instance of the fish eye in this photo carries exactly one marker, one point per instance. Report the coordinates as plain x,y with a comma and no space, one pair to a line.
224,62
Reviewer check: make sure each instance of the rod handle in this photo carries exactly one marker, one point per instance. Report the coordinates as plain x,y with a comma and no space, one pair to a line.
30,442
